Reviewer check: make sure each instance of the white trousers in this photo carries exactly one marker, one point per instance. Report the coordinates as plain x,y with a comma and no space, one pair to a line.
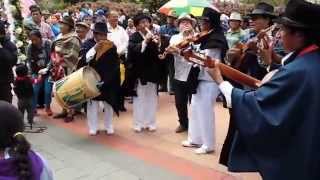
93,115
145,106
202,123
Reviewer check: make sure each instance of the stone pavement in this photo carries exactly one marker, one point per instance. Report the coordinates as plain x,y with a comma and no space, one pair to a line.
77,158
127,155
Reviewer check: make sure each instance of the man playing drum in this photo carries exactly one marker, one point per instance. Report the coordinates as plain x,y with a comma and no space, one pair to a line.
101,54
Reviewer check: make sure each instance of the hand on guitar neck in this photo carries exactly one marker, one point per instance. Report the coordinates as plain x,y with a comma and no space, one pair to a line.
217,68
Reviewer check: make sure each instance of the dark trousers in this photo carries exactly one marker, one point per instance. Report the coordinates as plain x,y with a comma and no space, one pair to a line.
5,92
171,71
226,148
25,105
182,98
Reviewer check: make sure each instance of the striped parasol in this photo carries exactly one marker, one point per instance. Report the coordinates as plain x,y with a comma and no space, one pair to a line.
194,7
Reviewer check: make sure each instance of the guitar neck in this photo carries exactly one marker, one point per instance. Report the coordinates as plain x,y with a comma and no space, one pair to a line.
230,72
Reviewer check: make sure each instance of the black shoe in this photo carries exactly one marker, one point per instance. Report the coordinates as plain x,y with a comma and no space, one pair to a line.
123,109
61,115
68,119
181,129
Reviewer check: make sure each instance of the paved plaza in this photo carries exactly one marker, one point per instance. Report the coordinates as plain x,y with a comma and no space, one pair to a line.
74,155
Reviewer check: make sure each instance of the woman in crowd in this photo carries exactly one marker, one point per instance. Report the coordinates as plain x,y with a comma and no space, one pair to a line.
17,160
38,58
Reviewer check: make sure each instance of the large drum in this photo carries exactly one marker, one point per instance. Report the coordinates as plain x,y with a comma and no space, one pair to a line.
77,88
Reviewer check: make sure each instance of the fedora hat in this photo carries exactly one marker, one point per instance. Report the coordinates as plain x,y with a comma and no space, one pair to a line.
83,24
235,16
140,17
301,14
100,27
186,16
263,9
212,15
68,21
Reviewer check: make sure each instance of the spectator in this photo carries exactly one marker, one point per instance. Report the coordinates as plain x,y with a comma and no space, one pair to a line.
82,29
131,28
8,53
121,39
24,91
38,58
42,26
235,34
55,24
123,19
17,159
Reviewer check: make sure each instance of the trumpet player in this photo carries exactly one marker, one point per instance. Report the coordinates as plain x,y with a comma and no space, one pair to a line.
144,74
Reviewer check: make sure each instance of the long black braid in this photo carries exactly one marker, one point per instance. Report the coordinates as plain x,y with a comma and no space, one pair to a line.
11,126
21,148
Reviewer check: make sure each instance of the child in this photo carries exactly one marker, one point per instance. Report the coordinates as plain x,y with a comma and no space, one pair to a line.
17,160
24,90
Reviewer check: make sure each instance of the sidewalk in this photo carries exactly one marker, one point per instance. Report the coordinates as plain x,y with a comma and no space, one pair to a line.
128,155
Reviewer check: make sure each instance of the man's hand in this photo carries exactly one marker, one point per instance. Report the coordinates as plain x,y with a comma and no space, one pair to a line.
149,37
265,50
43,71
98,46
173,50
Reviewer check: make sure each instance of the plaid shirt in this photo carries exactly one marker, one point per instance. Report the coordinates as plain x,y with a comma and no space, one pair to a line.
46,31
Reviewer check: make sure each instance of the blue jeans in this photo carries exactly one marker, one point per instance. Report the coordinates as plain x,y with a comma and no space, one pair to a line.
47,92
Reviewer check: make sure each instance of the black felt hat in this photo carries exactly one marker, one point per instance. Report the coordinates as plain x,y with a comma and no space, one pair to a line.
301,14
100,27
212,15
264,9
140,17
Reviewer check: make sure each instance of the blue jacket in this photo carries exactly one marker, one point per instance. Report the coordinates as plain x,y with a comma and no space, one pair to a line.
278,124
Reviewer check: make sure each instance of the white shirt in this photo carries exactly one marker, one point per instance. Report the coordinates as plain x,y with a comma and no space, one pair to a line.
122,18
181,66
120,38
213,53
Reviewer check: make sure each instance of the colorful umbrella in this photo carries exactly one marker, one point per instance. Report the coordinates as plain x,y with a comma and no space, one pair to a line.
194,7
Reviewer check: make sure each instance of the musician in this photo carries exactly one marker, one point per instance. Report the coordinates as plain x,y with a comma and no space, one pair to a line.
202,125
256,62
66,52
107,66
143,67
277,124
186,76
262,17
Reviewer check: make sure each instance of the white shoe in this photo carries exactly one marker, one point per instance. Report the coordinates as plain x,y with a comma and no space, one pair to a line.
203,150
188,144
92,133
110,131
151,128
137,129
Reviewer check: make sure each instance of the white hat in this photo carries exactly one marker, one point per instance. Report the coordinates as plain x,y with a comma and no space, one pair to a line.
235,16
186,16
